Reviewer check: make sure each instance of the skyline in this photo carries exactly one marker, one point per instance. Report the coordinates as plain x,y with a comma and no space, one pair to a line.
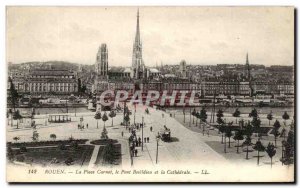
228,34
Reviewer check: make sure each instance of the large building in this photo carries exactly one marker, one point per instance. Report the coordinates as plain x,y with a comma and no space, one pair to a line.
47,82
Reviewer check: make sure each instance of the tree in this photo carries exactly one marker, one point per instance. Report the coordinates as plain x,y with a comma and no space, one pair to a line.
285,116
197,117
53,136
228,134
220,113
288,151
253,113
247,143
256,125
270,117
221,126
109,153
104,118
104,134
16,138
32,113
238,136
194,114
271,151
127,119
13,94
112,114
225,129
10,152
203,115
74,145
248,132
236,114
35,136
97,117
17,116
222,129
220,121
11,116
275,132
259,148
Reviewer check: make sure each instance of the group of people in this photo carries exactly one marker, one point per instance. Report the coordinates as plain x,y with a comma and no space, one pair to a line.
134,140
82,126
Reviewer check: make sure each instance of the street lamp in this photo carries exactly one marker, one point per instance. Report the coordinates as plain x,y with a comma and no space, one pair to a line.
190,115
142,133
157,140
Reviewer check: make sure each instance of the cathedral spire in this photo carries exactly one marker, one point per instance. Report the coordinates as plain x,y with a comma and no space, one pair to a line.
137,35
137,57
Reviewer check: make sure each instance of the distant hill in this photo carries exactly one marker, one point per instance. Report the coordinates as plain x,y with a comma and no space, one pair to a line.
51,64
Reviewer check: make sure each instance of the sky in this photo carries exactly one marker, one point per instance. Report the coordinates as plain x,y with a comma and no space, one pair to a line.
199,35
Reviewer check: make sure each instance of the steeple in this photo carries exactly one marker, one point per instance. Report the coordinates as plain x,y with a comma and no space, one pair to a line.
247,59
248,67
137,34
249,74
137,57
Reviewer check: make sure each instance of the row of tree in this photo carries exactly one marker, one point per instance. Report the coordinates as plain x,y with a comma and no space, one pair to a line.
244,133
104,117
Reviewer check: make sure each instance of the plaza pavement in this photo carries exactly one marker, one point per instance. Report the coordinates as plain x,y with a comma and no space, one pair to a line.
189,149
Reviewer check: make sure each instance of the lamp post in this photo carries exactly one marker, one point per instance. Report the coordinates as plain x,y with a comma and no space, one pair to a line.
190,116
134,118
157,140
142,133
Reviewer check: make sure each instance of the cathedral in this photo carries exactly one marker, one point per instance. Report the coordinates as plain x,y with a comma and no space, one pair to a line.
137,71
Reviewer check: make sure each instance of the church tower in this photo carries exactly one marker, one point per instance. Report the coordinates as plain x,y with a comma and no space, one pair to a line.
248,68
102,61
249,79
137,58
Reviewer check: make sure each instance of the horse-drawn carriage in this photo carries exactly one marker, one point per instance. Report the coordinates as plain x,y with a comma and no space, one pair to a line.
165,134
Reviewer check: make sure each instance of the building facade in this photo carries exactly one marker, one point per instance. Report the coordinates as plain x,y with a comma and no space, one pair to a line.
47,81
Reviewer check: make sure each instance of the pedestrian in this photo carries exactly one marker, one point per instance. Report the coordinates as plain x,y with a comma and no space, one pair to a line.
145,140
148,139
137,143
140,141
135,152
151,128
122,133
87,126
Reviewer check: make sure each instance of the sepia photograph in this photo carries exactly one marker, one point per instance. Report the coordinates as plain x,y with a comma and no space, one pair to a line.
150,94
